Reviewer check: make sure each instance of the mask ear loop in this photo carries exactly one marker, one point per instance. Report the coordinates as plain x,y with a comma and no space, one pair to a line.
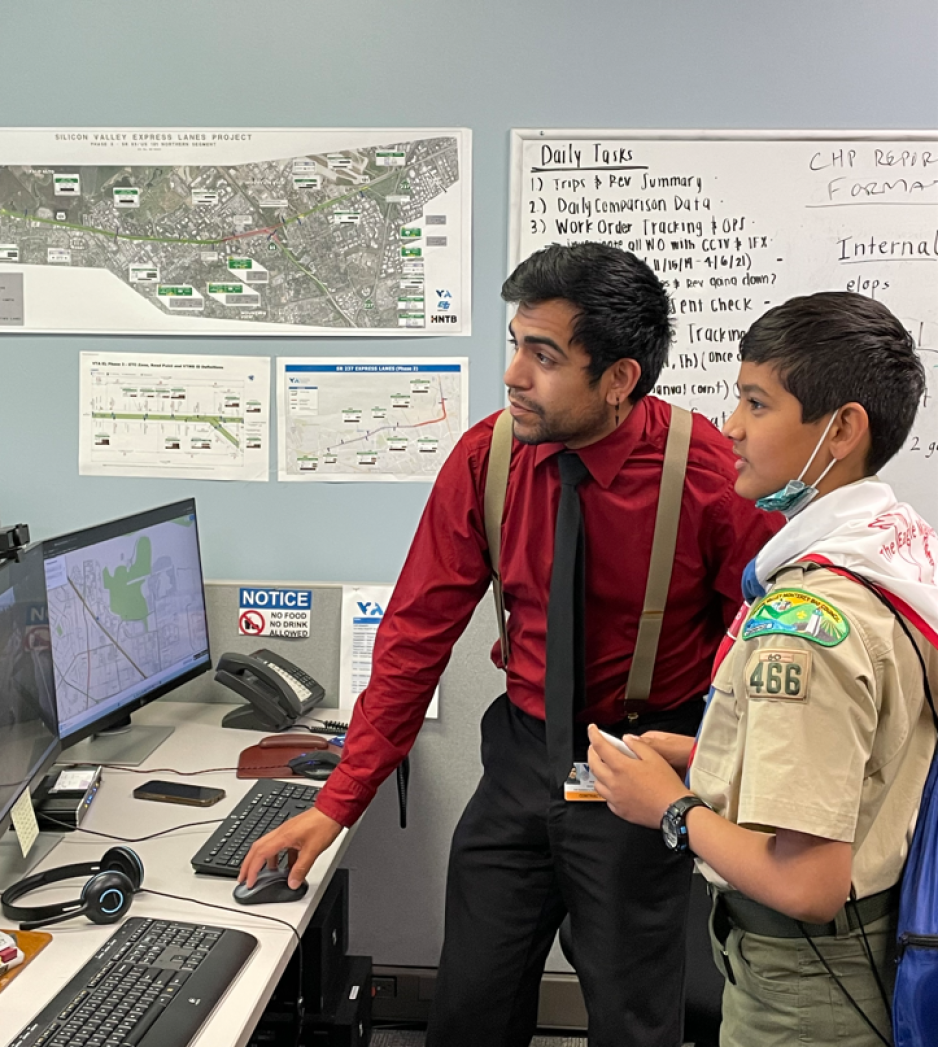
833,461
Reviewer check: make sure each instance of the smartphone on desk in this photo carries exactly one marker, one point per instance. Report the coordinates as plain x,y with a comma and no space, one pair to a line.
179,792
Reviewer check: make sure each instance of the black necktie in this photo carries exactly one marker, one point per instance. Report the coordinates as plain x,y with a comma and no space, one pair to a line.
565,682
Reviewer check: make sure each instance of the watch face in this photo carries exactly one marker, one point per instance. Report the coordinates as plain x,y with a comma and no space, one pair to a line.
670,833
673,826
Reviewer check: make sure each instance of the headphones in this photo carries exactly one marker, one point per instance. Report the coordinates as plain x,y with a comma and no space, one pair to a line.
104,898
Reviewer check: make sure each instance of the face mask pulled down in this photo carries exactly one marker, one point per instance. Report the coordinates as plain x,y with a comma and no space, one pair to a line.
796,494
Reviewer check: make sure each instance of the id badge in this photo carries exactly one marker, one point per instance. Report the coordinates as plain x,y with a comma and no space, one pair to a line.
581,785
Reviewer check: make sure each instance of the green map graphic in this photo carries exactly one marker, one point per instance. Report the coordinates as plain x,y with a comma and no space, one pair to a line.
124,584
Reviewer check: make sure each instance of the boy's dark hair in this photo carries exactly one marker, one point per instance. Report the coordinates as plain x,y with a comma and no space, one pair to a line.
837,347
623,311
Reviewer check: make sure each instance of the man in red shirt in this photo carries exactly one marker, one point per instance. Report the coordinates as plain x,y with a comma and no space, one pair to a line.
591,334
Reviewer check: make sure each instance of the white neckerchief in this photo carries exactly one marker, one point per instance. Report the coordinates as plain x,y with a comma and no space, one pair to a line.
864,527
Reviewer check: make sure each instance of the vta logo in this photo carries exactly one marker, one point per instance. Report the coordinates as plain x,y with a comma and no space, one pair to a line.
370,609
443,294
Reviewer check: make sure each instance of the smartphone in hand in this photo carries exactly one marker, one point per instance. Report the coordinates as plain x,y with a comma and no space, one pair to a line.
618,743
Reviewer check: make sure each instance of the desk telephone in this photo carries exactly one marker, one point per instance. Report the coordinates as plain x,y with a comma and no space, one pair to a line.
277,691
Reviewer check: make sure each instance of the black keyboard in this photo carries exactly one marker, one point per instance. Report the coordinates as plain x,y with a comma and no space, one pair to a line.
268,804
152,984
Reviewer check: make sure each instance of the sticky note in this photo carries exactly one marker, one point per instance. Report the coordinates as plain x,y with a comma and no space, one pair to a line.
24,822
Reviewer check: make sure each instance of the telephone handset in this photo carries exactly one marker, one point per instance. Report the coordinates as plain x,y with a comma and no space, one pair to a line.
278,692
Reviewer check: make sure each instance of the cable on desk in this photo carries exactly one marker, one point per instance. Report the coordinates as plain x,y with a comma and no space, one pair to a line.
241,911
155,770
172,770
133,839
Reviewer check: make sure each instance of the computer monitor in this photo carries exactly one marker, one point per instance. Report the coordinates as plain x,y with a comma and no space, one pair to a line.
127,624
29,743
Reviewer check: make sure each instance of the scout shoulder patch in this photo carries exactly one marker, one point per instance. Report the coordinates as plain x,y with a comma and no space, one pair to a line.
795,612
779,674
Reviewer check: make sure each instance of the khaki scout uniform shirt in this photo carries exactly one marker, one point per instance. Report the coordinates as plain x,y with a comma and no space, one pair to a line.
828,735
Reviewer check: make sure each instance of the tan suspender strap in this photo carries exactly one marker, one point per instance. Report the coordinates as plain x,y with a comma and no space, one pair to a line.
496,484
667,518
662,555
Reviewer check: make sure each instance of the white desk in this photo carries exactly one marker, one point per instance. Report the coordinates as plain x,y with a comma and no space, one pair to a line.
197,742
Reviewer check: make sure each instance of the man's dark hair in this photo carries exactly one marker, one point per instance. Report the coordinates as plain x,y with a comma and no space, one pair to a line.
836,347
622,309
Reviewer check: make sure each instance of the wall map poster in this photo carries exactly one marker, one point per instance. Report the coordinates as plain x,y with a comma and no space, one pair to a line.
736,222
390,420
161,415
238,232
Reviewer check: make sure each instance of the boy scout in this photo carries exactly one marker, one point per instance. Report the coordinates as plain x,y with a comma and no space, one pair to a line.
806,777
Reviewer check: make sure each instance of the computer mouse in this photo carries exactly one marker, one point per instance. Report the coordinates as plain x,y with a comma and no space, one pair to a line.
315,765
270,886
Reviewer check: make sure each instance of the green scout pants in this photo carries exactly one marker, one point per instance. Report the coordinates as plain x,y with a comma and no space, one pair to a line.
783,996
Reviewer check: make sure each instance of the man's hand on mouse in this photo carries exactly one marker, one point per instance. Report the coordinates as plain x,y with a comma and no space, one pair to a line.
303,837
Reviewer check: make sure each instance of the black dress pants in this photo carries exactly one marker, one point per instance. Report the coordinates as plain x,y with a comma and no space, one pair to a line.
522,858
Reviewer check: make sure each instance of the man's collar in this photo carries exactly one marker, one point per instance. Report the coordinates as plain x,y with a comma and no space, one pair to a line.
605,458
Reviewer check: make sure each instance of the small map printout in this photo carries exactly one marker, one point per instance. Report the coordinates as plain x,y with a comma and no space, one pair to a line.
154,414
238,232
369,419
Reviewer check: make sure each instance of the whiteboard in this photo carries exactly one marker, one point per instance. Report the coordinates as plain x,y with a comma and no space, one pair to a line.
736,222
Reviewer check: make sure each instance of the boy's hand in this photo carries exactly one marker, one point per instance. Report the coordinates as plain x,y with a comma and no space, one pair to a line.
639,791
675,748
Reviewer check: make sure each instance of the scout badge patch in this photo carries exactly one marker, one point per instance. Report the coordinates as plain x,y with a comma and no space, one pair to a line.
795,612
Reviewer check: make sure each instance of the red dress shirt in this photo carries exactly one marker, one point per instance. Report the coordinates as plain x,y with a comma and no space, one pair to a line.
447,571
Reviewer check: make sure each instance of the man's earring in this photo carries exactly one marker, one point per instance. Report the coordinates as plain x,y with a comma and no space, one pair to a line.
617,412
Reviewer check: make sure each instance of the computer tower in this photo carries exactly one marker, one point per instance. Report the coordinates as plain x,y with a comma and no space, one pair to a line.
277,1026
333,1001
348,1024
325,942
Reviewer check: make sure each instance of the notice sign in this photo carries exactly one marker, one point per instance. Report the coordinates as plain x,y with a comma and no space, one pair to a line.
275,612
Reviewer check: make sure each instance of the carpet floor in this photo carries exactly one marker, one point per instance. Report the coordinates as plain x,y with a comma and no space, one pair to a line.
399,1038
389,1038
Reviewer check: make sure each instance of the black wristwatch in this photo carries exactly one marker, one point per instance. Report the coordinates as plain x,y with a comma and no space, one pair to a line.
674,823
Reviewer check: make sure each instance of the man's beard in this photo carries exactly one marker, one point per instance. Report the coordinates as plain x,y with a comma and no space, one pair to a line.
560,430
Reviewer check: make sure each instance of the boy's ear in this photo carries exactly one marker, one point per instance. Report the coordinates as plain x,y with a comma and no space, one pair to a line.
850,435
